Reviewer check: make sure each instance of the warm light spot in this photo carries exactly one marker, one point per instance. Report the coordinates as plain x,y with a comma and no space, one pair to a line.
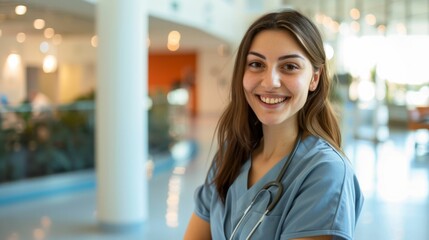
20,9
13,61
355,26
179,170
334,26
173,47
94,41
13,69
370,19
174,37
39,23
49,32
381,29
355,13
50,64
38,234
20,37
173,41
173,199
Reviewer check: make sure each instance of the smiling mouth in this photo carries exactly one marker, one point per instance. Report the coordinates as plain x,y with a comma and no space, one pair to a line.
272,100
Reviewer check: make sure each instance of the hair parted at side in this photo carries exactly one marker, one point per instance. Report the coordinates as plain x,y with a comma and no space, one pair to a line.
239,131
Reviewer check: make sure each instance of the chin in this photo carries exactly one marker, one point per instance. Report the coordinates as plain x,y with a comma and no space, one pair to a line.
271,122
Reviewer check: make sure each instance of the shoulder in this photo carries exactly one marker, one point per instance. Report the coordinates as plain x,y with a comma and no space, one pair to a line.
319,166
317,153
204,196
327,196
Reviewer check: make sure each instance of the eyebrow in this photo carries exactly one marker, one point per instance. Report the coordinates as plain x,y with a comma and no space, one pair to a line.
280,58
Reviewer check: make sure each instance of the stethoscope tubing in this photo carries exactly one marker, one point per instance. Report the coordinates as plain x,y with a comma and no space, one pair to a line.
276,183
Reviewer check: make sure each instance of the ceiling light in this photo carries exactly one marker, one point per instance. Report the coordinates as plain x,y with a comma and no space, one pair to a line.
49,32
50,64
20,37
13,61
173,47
381,29
355,13
370,19
39,23
174,37
20,9
355,26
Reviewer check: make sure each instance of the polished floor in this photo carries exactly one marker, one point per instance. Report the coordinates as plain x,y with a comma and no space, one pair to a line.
393,175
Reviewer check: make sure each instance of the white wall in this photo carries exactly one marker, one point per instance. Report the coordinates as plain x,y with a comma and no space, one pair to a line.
74,52
213,81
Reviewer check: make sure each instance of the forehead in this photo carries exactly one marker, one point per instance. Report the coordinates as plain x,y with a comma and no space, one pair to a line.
276,42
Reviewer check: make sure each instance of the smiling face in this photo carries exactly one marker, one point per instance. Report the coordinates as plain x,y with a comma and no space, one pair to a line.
277,77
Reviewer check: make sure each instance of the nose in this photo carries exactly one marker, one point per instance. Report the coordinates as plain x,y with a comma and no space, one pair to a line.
271,79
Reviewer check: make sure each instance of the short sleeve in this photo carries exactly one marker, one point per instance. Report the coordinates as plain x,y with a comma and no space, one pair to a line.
327,203
203,196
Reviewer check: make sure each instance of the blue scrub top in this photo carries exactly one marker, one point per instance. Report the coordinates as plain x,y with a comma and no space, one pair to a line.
321,197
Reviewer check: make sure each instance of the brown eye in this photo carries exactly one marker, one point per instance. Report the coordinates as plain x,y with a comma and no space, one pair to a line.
290,67
255,66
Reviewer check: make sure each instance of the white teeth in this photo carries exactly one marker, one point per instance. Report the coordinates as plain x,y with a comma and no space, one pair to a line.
272,100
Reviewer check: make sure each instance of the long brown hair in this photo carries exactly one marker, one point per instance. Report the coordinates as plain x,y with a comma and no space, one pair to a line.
239,131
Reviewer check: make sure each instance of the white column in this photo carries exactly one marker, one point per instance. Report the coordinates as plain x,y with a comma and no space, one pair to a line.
121,133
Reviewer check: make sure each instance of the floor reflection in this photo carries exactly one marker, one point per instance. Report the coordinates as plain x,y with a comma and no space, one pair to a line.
394,177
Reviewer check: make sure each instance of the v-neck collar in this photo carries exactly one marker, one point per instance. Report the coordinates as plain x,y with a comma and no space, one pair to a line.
242,193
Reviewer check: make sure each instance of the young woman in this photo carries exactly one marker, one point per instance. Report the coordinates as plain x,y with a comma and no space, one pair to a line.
279,172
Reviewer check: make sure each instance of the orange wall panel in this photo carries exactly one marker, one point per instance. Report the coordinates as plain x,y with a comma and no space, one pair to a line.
166,70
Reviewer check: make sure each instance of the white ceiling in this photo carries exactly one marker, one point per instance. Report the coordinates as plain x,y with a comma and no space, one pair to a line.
70,18
76,17
414,14
65,16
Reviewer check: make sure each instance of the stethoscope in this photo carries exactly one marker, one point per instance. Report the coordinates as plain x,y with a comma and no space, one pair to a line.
276,183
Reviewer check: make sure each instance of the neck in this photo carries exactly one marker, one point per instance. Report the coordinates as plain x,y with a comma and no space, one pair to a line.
278,141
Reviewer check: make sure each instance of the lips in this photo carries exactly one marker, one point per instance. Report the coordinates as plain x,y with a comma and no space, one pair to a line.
272,100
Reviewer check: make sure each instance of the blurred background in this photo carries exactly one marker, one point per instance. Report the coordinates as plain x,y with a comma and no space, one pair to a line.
49,77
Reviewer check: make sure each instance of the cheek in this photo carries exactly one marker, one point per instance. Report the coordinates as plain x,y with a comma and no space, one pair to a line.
248,83
297,85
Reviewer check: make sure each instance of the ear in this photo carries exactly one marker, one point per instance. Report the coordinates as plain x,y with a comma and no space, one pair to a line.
315,80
